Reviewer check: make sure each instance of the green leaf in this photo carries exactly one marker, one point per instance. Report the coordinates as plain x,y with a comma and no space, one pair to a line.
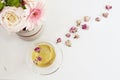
23,7
1,6
15,3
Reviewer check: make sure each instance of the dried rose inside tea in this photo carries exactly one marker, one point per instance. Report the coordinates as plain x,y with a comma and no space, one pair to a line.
43,55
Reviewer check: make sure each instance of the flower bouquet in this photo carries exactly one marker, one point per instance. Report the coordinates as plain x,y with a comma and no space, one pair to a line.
24,17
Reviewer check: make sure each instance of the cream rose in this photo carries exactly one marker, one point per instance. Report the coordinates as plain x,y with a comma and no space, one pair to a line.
13,19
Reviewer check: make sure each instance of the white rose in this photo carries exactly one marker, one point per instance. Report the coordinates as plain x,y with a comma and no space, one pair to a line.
13,19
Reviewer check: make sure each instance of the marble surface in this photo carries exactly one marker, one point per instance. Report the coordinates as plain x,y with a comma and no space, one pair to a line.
95,56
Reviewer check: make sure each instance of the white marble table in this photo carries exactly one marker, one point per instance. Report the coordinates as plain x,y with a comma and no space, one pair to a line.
95,56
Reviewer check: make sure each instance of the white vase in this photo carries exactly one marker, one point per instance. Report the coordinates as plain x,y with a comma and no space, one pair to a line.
32,34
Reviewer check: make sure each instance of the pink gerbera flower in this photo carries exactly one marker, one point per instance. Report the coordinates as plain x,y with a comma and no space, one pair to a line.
35,15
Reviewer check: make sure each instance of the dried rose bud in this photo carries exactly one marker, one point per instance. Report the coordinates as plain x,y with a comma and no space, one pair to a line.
85,26
78,22
37,49
68,43
76,36
59,40
39,58
73,29
97,19
35,61
86,18
68,35
105,15
108,7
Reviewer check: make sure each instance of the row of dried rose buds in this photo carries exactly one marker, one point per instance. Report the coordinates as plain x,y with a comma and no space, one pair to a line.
74,29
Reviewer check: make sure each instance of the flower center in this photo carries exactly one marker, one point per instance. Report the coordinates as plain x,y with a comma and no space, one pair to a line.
36,13
11,17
